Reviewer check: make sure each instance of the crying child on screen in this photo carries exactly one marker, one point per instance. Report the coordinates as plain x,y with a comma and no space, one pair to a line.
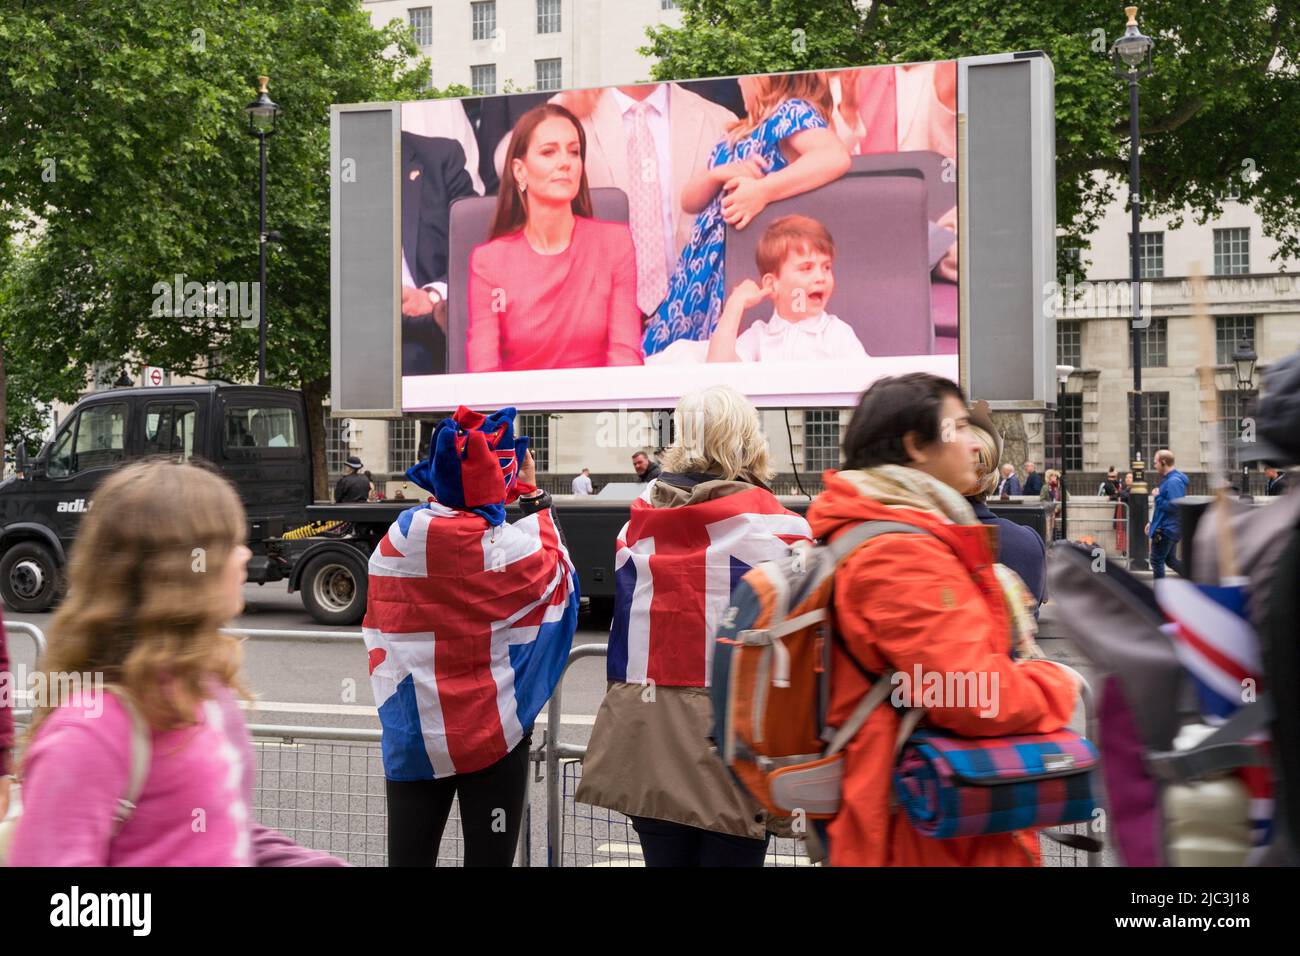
795,257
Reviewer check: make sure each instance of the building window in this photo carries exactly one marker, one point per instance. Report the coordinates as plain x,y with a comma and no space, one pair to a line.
1234,405
548,74
1155,347
548,17
1069,342
1151,254
1231,252
403,439
484,18
821,439
1155,423
422,25
1229,330
667,4
537,426
336,449
1074,262
1066,421
483,79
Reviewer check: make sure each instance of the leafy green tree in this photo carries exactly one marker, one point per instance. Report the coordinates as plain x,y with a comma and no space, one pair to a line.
1217,115
125,162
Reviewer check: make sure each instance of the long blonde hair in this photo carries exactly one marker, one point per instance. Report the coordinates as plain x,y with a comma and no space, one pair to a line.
718,433
145,596
771,91
987,467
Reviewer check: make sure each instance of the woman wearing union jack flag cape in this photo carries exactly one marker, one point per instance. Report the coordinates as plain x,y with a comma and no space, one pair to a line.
468,627
706,520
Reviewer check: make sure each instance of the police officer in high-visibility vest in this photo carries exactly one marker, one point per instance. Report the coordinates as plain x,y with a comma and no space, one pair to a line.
353,486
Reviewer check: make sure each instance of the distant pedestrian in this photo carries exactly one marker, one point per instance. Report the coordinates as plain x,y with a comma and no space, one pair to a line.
1164,528
1033,480
1109,488
1010,484
353,486
707,520
1115,489
137,667
646,469
1277,483
1053,493
582,484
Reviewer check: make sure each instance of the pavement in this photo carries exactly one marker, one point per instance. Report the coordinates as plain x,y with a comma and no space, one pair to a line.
330,793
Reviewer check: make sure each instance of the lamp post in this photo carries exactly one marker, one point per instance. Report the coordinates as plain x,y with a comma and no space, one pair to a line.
1243,362
1062,376
1131,55
262,113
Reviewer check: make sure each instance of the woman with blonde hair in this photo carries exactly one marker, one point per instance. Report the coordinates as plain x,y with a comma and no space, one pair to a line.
140,678
783,147
1020,548
698,527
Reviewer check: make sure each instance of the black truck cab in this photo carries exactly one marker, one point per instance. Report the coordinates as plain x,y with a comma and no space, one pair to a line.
255,436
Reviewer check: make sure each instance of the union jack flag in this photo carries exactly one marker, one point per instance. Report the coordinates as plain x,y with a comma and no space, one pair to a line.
468,628
1215,642
674,572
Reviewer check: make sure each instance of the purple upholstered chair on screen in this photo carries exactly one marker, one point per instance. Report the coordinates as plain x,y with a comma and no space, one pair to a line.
941,189
471,219
880,225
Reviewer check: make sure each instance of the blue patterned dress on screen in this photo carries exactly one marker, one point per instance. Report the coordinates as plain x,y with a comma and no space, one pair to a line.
697,288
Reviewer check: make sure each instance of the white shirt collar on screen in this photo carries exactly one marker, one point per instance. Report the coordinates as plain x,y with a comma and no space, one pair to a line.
658,99
811,325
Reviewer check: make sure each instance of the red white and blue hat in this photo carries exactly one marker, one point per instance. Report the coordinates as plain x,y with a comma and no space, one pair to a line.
473,463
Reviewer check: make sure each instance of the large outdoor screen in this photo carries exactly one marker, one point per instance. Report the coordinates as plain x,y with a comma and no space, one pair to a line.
794,235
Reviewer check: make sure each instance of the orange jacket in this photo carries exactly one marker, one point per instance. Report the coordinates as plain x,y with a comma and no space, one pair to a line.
932,600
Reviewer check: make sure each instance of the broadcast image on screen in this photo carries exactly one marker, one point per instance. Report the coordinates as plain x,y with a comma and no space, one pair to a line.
793,235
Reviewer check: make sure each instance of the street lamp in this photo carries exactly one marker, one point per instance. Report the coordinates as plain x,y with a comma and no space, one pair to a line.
1243,361
1132,54
1062,376
262,113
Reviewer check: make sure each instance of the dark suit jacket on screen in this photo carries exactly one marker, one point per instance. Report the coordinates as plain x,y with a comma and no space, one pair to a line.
433,175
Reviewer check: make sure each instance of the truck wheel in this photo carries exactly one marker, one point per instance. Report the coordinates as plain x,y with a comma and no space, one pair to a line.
30,578
334,590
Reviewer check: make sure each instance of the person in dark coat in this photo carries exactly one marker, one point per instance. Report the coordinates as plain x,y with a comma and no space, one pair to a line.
1033,480
1019,547
433,176
1277,484
1116,490
353,486
646,469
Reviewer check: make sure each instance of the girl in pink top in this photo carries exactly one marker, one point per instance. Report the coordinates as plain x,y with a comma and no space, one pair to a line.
151,580
553,287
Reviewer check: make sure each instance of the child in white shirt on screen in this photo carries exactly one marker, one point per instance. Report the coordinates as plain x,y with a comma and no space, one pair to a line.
795,257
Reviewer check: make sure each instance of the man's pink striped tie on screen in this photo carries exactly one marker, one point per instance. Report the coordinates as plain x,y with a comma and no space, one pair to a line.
645,212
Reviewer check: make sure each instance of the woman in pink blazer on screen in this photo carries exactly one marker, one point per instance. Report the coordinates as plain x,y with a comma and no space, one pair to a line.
552,287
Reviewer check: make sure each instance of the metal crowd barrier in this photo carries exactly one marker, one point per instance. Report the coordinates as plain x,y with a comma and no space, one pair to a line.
1103,522
582,835
23,714
324,787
